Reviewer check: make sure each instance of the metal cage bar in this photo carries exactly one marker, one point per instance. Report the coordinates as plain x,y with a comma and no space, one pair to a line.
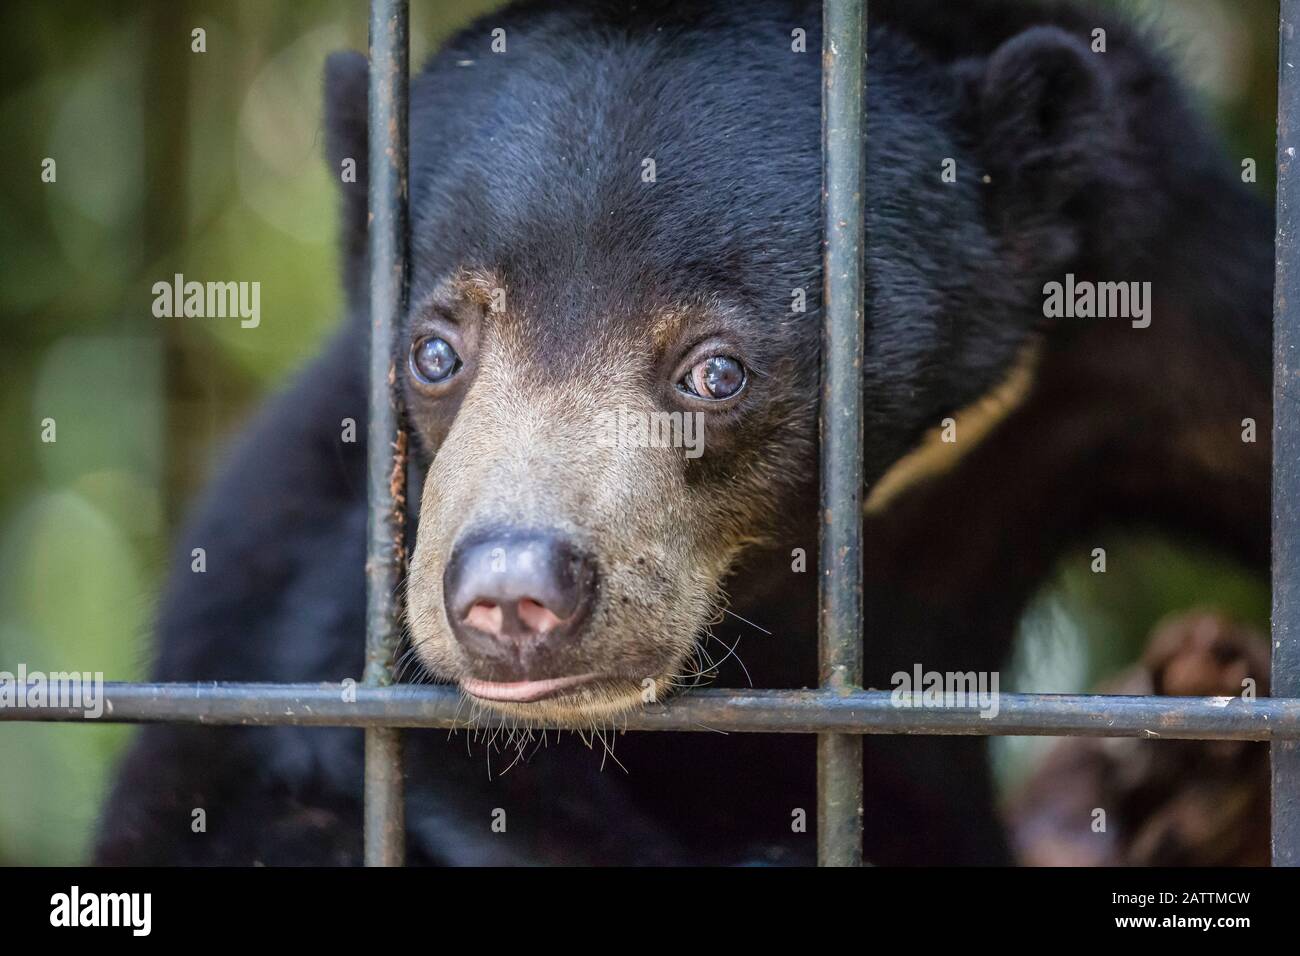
1285,672
385,830
823,711
839,755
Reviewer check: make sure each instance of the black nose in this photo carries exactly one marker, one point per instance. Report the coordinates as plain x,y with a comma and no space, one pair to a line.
514,592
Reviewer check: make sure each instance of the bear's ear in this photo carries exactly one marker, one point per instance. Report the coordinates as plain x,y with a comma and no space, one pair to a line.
347,149
1045,121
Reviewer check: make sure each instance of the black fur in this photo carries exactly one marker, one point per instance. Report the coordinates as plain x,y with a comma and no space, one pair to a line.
1095,165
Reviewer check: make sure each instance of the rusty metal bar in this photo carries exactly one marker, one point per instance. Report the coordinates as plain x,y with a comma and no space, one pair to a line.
385,828
823,711
1285,673
839,756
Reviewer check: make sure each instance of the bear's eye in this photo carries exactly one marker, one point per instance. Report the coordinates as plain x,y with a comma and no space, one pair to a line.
716,378
433,360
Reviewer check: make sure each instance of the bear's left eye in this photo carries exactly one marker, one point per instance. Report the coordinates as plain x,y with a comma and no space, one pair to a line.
716,378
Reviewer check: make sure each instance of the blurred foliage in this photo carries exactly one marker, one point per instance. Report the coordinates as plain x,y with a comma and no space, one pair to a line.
210,164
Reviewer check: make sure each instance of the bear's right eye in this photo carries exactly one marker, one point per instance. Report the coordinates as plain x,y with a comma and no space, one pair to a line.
433,360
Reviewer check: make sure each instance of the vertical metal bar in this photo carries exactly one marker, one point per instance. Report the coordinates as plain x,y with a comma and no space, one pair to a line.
385,826
839,756
1285,674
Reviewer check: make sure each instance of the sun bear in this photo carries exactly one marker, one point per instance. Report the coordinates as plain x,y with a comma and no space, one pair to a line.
617,211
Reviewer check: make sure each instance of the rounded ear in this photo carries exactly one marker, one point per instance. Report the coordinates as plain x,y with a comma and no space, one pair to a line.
1046,125
346,149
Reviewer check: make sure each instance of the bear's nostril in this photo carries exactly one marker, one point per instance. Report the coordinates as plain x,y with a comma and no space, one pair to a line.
485,616
536,617
518,594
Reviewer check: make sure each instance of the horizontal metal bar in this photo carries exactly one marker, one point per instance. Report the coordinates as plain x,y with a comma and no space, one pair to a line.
758,711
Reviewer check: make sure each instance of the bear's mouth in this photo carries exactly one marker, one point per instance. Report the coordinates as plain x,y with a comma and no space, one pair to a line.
565,701
523,691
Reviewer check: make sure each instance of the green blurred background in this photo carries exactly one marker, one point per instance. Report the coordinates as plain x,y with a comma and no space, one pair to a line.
210,164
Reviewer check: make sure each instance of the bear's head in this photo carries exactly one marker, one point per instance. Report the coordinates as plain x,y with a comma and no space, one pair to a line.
611,357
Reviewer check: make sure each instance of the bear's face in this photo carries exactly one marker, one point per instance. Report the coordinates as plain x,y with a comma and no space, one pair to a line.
597,473
611,357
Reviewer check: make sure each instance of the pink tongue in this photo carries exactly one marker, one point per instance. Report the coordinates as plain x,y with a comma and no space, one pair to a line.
536,618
